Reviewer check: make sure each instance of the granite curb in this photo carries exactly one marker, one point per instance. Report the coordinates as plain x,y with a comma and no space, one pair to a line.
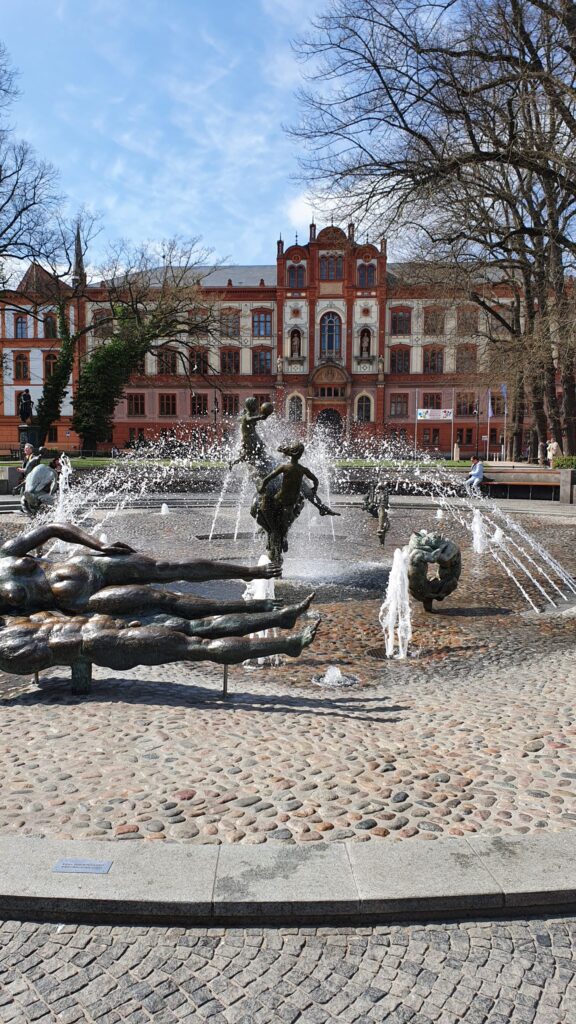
352,882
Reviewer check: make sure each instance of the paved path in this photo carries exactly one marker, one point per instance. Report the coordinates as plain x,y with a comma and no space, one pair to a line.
520,972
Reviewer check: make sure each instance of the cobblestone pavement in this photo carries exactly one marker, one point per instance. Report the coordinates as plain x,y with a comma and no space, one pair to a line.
520,972
474,734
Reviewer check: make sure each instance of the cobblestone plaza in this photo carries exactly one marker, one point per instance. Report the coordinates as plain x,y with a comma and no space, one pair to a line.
471,734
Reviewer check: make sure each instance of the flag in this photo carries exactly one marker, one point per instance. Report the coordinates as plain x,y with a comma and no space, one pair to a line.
504,393
490,410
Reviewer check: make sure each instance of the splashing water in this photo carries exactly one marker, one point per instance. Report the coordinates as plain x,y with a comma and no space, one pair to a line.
164,510
479,533
395,617
334,677
262,590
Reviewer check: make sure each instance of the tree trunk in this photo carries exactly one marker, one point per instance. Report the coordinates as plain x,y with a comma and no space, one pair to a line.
552,401
514,442
568,442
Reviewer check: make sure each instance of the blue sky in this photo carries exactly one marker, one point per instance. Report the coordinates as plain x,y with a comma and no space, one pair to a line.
167,116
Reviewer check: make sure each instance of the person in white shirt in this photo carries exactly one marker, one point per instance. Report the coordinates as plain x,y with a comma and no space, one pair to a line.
475,478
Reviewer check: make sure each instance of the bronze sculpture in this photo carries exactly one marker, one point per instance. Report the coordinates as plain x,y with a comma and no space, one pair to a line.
277,507
252,448
70,612
377,503
425,549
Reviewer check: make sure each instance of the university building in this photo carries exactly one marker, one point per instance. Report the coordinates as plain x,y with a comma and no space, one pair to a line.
331,334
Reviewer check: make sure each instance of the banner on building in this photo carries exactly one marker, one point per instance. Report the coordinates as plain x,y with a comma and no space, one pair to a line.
435,414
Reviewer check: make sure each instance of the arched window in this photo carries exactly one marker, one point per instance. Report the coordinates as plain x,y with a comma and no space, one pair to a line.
366,275
466,359
331,268
399,360
295,409
167,362
330,335
295,344
21,366
364,409
400,321
21,326
433,360
50,327
50,360
365,343
296,276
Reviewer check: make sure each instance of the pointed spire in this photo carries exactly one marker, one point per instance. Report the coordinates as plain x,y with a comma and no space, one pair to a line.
79,273
296,239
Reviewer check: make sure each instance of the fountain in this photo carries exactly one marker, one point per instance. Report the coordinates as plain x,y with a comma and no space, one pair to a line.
395,617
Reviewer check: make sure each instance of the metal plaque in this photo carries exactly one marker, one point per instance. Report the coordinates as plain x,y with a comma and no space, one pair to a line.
82,867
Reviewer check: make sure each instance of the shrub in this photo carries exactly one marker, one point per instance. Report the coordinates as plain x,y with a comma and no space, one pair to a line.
564,462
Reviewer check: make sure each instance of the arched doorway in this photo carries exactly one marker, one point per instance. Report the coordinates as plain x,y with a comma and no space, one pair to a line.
330,421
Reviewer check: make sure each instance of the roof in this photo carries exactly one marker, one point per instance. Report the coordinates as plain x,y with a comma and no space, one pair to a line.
241,276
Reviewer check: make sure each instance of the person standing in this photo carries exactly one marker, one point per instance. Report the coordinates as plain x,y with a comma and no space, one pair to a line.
475,478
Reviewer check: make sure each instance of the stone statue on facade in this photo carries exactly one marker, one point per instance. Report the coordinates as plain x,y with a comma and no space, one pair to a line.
426,549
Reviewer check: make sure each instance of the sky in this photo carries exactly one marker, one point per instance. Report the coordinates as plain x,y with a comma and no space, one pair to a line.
165,116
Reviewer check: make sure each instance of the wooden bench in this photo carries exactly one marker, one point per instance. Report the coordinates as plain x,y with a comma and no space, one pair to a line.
534,480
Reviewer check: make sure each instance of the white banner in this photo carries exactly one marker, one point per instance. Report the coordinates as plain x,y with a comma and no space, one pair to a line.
435,414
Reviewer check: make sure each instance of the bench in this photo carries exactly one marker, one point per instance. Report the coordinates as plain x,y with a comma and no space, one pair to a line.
534,481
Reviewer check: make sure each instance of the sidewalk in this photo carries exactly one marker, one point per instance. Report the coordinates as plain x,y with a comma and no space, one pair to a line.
345,882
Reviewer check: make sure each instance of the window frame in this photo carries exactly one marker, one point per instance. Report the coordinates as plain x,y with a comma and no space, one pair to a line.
331,327
230,361
395,351
261,323
162,355
18,377
462,353
399,399
21,327
361,402
432,353
200,398
396,312
162,401
296,276
136,404
260,355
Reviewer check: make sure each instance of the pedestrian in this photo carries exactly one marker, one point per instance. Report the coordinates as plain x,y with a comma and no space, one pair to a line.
475,478
553,451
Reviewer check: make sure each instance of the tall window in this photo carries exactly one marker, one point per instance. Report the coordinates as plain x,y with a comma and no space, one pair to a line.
432,400
465,403
230,360
262,361
330,335
433,360
295,409
230,323
230,405
295,344
50,360
434,321
398,406
331,268
364,409
199,405
399,360
400,322
167,405
198,360
52,435
296,276
262,324
21,326
466,359
136,406
50,326
100,328
21,366
167,362
366,275
467,320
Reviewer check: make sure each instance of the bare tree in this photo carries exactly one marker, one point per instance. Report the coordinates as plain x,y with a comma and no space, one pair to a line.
27,185
458,117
